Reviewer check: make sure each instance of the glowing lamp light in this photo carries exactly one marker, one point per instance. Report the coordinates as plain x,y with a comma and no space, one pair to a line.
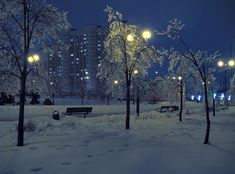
135,71
36,57
214,95
220,63
222,96
192,97
30,59
180,78
231,63
115,82
199,98
229,98
130,38
147,34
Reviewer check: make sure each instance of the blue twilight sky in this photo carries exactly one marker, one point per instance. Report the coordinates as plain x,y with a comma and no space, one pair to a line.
210,24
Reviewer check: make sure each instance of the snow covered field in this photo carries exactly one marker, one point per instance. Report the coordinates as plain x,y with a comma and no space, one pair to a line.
157,143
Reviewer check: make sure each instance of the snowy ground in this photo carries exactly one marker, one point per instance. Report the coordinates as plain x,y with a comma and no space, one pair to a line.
157,143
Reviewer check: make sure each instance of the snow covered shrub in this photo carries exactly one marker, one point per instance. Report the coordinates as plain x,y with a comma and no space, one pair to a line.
30,126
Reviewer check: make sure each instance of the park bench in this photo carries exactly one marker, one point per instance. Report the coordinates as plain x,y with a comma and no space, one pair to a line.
78,110
169,108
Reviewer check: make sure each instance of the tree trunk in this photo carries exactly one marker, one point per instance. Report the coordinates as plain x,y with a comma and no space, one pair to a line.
20,141
181,100
107,101
138,102
128,104
213,101
206,141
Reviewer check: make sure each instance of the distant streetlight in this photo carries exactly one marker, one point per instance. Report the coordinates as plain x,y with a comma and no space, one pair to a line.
228,65
115,82
33,59
135,71
231,63
220,63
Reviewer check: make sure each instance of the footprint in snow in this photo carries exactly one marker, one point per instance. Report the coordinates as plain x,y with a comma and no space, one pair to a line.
125,145
110,150
36,169
89,156
13,150
87,141
100,154
66,163
33,148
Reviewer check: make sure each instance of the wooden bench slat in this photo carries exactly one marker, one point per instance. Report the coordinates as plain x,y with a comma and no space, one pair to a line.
82,110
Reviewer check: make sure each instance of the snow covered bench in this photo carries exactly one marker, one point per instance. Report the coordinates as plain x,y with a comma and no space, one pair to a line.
78,110
169,108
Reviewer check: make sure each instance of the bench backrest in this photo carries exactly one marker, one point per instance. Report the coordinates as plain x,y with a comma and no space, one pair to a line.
79,109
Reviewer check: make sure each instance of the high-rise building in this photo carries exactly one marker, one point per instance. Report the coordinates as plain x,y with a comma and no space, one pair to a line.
73,64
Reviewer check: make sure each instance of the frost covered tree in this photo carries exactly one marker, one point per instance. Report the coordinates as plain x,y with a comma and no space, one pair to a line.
125,52
26,27
201,60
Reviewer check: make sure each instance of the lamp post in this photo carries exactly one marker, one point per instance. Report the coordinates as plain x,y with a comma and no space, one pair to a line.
226,65
53,93
180,84
137,96
33,59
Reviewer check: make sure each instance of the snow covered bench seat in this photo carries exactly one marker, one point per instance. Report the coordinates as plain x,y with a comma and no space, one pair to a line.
78,110
169,108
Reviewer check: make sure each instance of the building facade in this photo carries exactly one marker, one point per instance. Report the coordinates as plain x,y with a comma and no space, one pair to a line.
73,64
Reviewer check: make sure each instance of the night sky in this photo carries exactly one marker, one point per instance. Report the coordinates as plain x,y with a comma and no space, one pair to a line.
210,24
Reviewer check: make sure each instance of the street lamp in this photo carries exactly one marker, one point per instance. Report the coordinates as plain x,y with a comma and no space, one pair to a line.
231,63
180,84
228,65
135,71
115,82
137,96
147,34
130,38
33,59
